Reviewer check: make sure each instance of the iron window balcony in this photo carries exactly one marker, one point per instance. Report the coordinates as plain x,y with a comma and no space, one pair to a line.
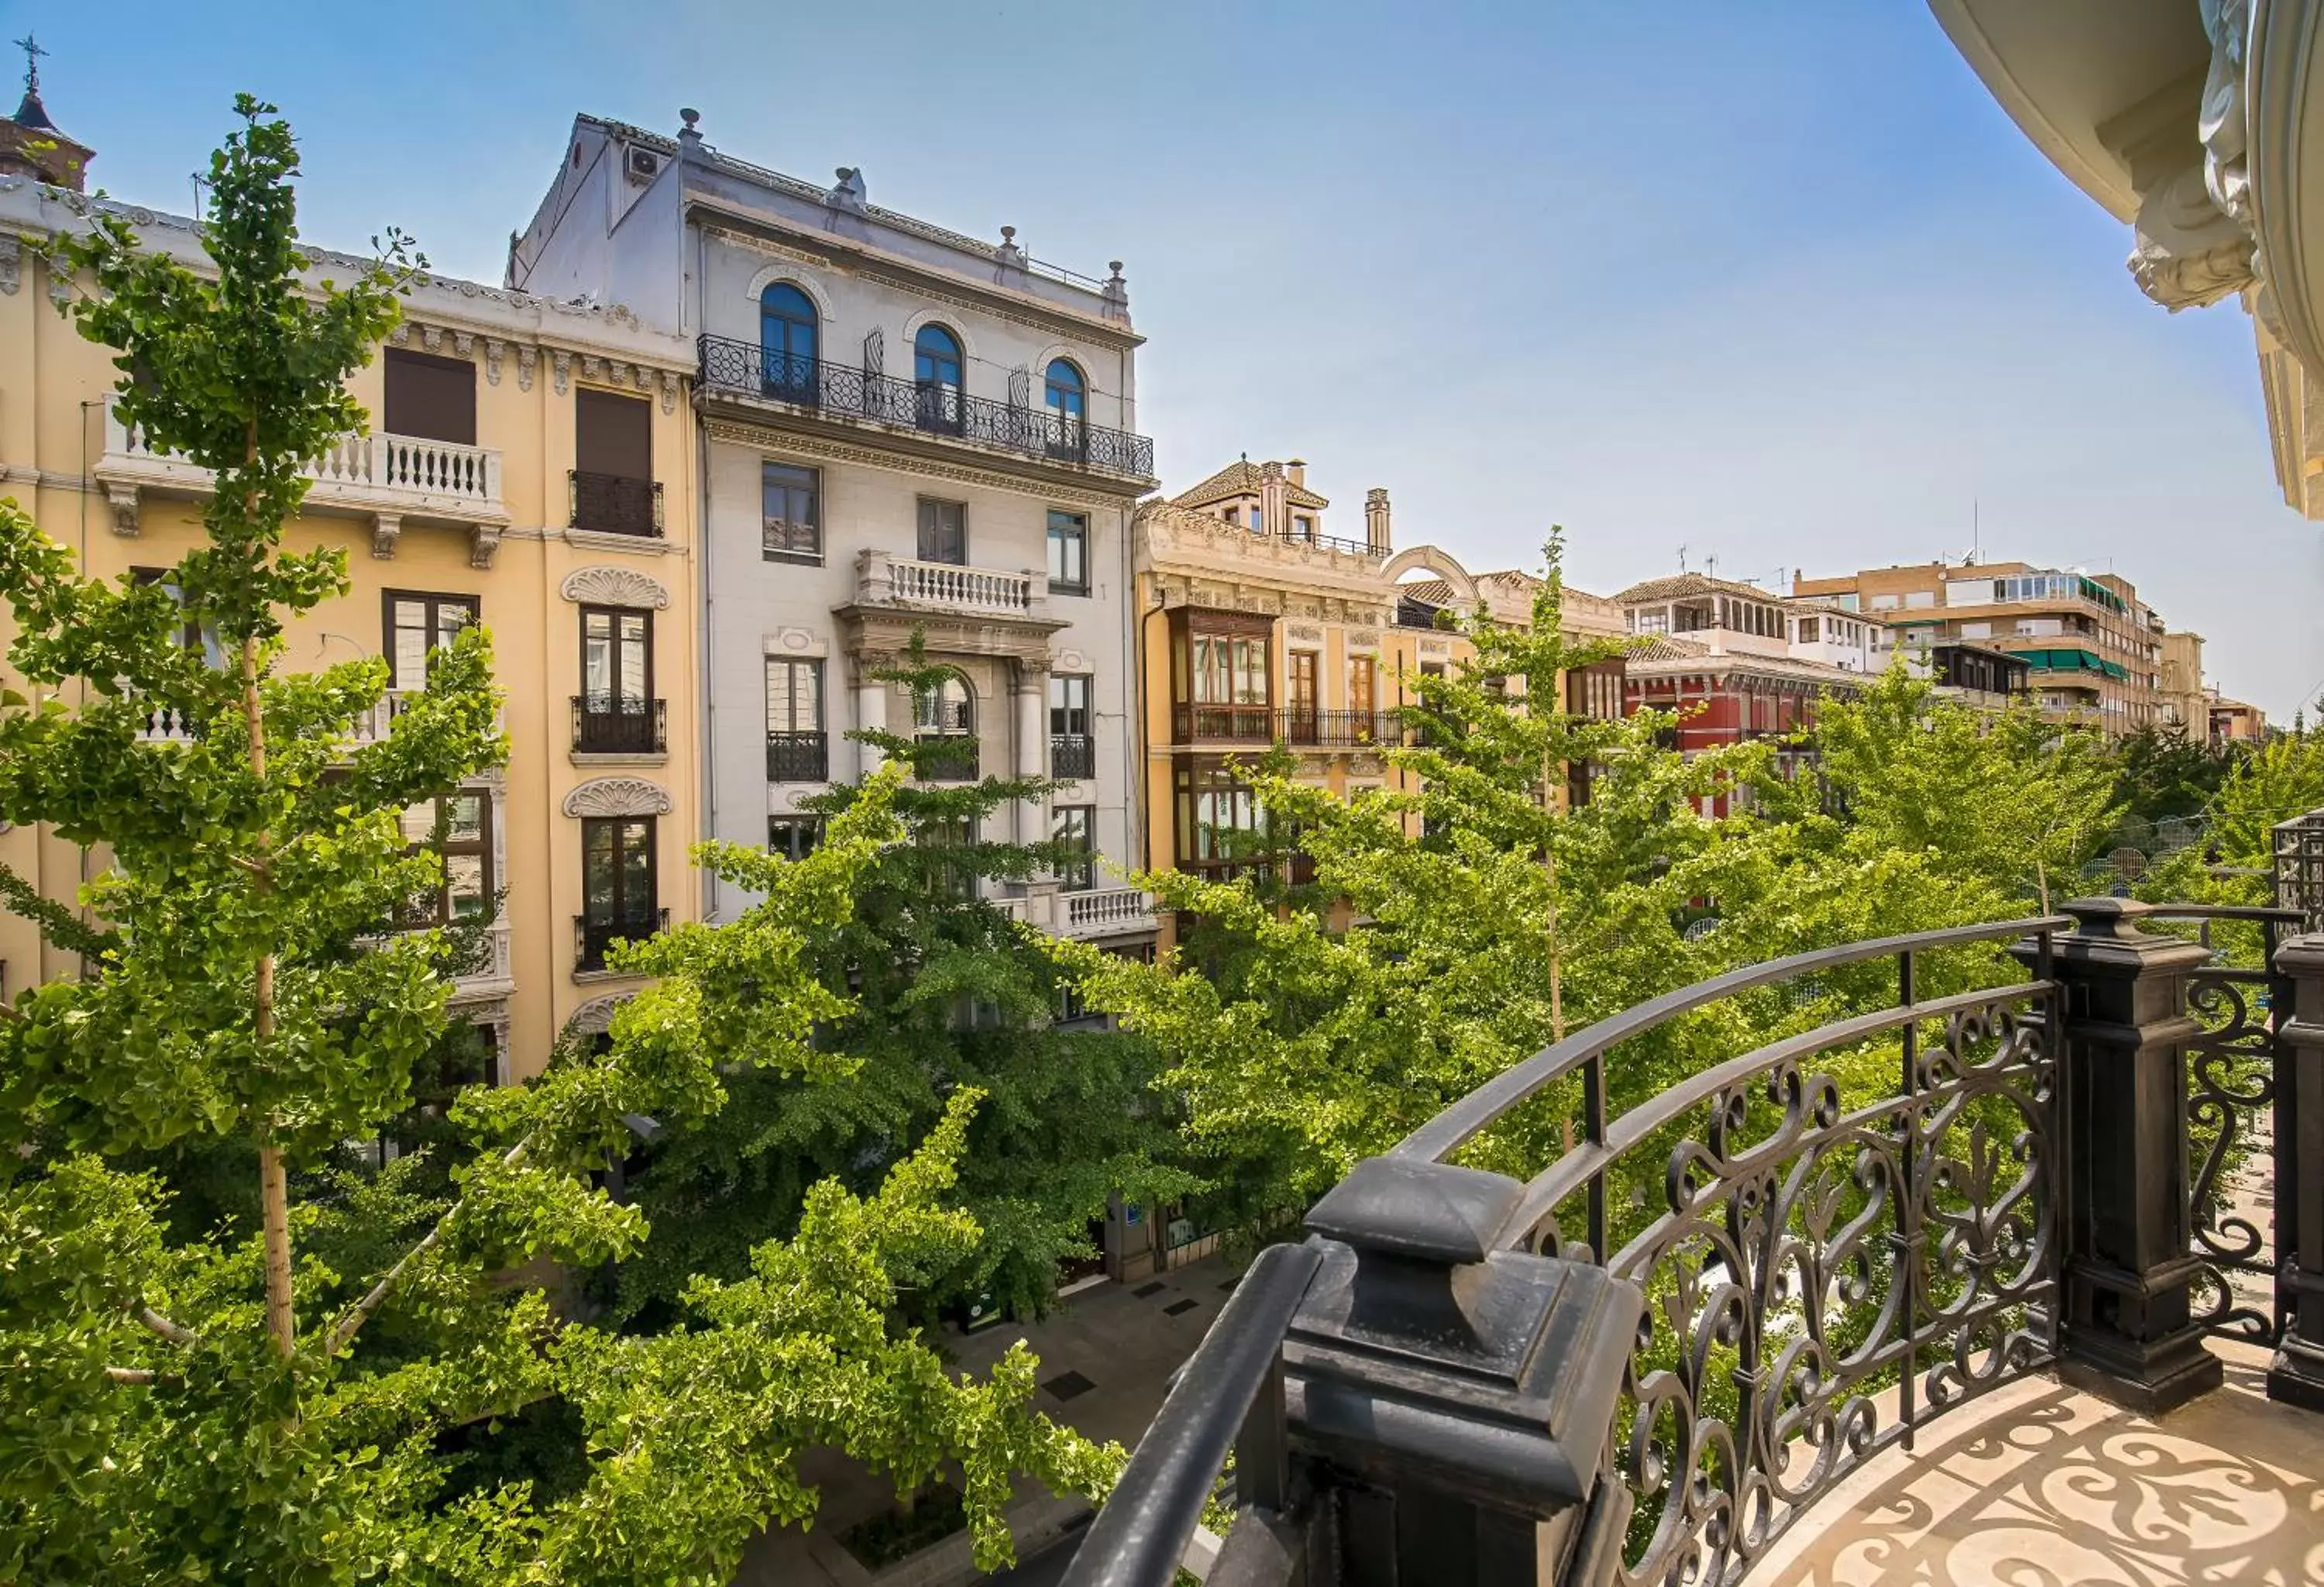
1301,727
614,725
951,758
592,938
1072,756
611,503
747,369
798,757
1241,724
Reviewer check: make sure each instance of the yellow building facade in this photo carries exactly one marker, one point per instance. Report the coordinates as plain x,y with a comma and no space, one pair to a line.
529,465
1257,625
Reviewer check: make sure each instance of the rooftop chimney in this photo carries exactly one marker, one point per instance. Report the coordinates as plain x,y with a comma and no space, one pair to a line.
1297,470
1273,515
1375,532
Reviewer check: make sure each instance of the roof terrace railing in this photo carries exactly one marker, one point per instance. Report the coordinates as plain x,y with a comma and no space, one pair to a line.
1649,1360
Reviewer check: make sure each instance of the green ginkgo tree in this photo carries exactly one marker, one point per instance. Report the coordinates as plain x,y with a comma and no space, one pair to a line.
287,1398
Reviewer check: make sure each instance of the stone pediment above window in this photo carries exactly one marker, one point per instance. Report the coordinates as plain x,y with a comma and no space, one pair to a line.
614,586
617,796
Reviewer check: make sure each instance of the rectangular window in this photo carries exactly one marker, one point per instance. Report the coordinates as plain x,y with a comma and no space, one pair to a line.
1363,685
193,636
1075,827
1976,631
955,879
1302,526
943,531
791,510
1069,704
618,893
1884,603
417,623
430,398
1218,817
1229,671
794,837
1919,598
460,827
1068,553
616,657
1807,631
794,695
612,435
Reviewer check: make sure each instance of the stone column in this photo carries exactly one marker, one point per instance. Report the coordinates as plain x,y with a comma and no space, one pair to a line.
2296,1375
1030,685
871,704
2125,1331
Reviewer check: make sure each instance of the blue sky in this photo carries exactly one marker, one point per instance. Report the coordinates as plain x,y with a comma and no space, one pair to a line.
1779,284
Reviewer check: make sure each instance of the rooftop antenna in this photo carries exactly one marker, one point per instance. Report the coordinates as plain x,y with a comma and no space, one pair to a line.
199,182
1711,565
1682,557
1975,533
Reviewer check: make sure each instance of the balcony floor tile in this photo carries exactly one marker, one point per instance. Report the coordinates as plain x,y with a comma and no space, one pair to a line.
2039,1483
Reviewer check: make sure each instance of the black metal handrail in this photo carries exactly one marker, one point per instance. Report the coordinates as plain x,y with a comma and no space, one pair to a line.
592,938
798,757
1073,756
613,503
618,724
732,366
1139,1536
1329,542
946,756
1474,1112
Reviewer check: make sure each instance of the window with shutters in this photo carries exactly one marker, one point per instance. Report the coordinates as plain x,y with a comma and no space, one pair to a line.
417,623
430,398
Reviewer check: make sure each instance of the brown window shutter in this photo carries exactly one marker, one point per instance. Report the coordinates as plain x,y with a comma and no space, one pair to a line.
614,435
431,398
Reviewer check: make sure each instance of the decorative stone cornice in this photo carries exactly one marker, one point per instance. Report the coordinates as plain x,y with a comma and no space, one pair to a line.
614,586
784,443
617,796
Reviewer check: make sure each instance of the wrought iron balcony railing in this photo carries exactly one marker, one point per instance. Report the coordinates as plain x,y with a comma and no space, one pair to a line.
1716,1304
611,503
798,757
1072,756
614,725
1298,726
592,937
946,756
1241,724
842,390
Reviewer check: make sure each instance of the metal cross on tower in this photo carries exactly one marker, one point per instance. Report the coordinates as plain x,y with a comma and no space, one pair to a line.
33,54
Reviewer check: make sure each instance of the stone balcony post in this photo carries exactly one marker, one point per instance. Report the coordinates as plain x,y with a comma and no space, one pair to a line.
2125,1331
2296,1375
875,578
1453,1399
1029,685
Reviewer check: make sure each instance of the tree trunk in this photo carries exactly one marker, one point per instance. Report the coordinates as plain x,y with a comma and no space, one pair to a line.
273,1186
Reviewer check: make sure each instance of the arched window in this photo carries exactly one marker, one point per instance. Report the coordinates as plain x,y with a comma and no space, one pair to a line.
944,723
1068,399
787,326
936,372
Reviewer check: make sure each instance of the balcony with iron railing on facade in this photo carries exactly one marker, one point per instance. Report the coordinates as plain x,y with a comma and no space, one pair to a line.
593,937
1796,1313
613,503
740,369
1073,756
370,473
1297,726
618,724
798,757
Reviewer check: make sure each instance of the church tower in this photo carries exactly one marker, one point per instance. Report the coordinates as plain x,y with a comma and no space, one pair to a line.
30,144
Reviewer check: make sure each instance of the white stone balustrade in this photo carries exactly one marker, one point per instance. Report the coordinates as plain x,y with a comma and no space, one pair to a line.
370,472
885,579
1104,913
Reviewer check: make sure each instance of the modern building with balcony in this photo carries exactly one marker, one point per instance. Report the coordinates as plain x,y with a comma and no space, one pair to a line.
905,430
527,465
2093,651
1257,626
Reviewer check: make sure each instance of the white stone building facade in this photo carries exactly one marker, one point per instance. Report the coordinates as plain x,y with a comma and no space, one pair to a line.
903,429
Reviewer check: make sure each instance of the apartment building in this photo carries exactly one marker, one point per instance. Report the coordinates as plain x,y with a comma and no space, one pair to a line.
528,468
904,430
2233,721
2179,685
1735,662
1257,625
2093,651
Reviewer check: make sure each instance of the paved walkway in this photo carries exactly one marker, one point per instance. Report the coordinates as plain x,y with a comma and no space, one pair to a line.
2037,1485
1106,1357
